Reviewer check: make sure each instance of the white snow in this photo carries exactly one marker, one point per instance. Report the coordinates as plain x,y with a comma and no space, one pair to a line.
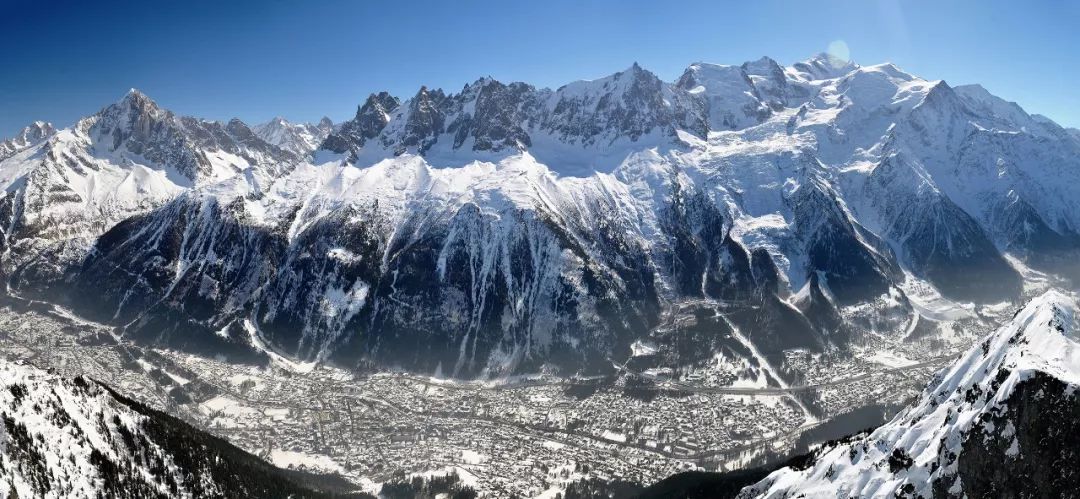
472,457
298,138
1043,337
305,461
642,348
67,422
226,406
890,359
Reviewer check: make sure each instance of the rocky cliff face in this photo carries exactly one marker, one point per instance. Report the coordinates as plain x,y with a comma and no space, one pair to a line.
197,149
506,228
1042,412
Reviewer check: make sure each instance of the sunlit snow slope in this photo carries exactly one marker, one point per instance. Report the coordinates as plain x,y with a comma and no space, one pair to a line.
76,439
1003,421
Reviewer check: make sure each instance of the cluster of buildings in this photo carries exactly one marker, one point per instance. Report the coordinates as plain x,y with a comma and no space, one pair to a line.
520,438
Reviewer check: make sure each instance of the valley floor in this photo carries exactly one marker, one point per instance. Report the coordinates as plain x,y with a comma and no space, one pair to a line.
527,436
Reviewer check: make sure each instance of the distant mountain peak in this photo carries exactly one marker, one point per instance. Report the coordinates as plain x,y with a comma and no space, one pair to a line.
764,66
36,131
481,82
29,136
637,72
298,138
825,58
824,66
137,100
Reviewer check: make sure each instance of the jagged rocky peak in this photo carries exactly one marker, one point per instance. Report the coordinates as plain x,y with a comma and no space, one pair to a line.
31,135
136,104
34,132
135,99
425,121
489,115
376,111
240,131
634,87
941,121
136,125
1002,421
370,120
134,117
640,78
138,129
628,104
494,115
276,125
942,93
325,124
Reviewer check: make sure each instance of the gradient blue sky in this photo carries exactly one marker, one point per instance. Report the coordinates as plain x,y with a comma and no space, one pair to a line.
302,60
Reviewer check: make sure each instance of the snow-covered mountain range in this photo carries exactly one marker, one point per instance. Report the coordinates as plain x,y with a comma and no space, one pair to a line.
1001,422
77,439
506,228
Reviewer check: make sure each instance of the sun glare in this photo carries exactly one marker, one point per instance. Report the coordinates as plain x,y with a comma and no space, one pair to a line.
838,51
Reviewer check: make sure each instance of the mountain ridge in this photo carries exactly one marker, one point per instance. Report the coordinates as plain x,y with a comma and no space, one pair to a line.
77,438
507,228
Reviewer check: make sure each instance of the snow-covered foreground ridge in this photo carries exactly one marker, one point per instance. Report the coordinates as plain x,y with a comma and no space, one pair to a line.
1001,422
508,228
75,439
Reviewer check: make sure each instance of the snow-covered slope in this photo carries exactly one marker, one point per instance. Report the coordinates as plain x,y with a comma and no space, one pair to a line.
1002,421
508,228
76,439
737,97
300,139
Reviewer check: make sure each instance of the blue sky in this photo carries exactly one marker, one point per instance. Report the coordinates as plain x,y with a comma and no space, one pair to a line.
302,60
